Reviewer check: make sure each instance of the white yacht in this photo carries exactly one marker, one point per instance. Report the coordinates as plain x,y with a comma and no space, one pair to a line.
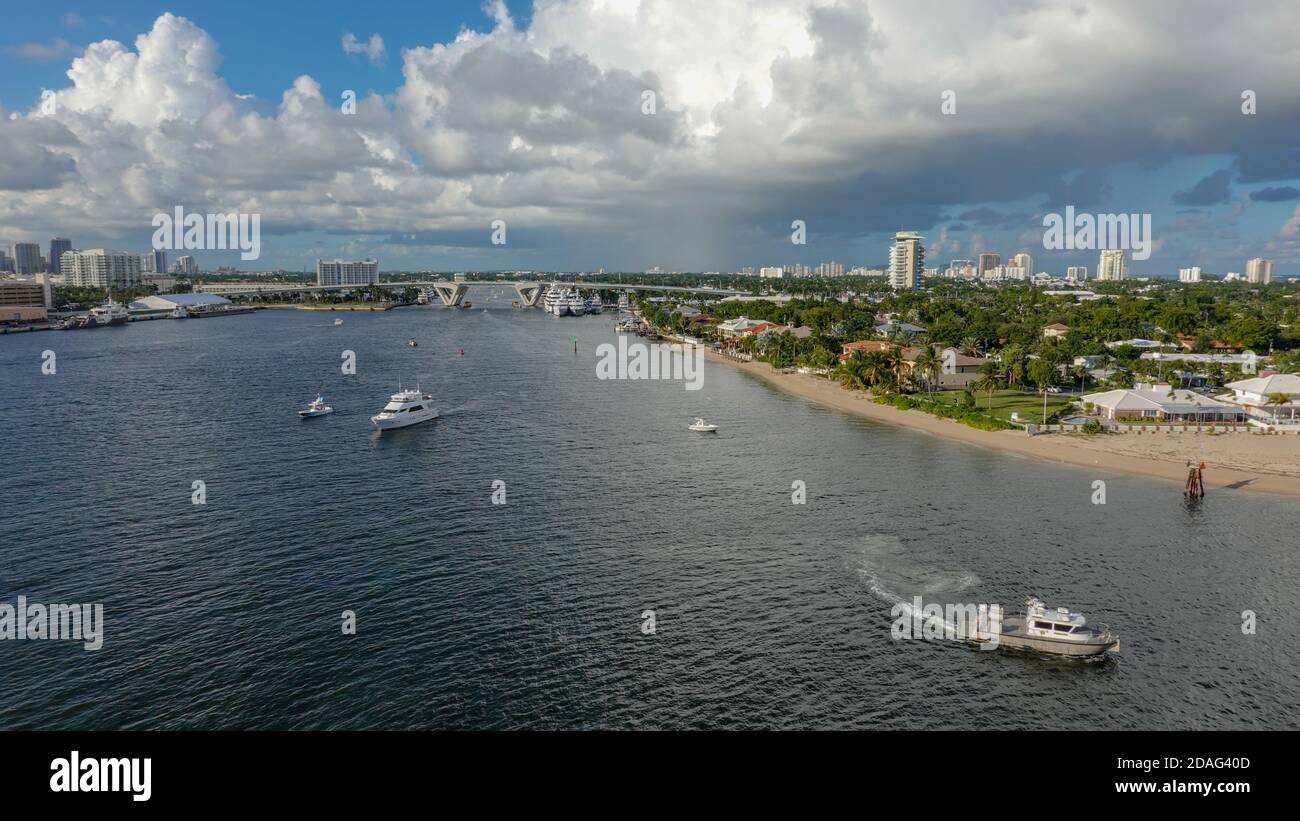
406,407
179,312
595,304
316,407
700,426
577,307
554,302
110,313
623,304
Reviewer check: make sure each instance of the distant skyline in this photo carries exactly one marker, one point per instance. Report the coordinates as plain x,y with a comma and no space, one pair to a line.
831,112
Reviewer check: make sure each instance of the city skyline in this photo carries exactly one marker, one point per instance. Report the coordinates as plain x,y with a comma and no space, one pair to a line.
806,115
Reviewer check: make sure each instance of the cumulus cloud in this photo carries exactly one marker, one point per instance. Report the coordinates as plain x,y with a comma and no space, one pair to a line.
372,48
762,111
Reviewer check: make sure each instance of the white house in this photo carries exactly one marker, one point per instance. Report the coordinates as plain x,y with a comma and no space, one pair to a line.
1252,396
1161,403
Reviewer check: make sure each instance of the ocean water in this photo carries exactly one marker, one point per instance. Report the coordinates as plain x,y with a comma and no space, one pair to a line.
767,614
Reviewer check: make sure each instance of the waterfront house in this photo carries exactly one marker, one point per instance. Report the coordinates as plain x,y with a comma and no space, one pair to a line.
742,326
957,370
890,327
1254,398
864,345
1162,403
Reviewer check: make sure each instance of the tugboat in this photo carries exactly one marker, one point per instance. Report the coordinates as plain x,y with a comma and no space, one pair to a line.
1041,629
316,407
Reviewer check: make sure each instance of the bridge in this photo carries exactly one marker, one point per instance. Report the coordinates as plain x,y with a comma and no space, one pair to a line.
451,293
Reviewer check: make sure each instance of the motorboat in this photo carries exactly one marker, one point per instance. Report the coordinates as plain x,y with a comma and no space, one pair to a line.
1042,629
338,321
404,408
315,407
179,312
412,342
700,426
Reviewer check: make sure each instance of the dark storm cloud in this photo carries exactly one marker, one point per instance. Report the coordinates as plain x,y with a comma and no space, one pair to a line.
1212,190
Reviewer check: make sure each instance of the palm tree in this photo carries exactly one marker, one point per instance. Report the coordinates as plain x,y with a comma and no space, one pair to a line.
927,367
988,380
1277,400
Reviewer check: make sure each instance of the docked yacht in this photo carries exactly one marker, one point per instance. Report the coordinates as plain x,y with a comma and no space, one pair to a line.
700,426
554,302
577,307
595,304
1042,629
316,407
623,305
179,312
110,313
406,407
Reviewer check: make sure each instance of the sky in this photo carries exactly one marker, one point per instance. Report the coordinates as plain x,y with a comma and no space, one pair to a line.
626,134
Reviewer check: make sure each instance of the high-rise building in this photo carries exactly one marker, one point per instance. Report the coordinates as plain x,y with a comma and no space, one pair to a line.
1192,274
961,268
1077,273
1111,266
771,272
101,268
906,261
154,262
1258,270
4,262
58,246
27,258
345,272
988,261
1023,260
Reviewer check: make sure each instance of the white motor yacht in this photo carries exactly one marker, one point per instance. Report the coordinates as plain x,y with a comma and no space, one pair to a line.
577,306
700,426
406,407
1042,629
110,313
338,321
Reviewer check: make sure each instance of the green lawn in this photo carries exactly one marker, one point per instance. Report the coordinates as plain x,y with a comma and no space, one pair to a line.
1005,402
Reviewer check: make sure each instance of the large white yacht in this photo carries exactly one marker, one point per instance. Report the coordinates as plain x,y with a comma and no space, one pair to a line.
595,304
554,302
1055,630
577,306
406,407
110,313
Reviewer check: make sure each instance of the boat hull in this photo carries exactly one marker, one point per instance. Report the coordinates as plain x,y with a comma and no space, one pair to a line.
393,423
1014,637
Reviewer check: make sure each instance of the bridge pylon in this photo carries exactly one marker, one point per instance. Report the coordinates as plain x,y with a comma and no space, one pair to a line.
530,293
451,295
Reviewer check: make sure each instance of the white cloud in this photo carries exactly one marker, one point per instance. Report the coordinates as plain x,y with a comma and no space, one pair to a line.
55,49
373,48
827,110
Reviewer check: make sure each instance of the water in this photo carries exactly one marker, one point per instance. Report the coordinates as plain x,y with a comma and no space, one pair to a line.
529,615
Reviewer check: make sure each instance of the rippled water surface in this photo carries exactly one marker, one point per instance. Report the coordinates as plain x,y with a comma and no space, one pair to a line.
529,614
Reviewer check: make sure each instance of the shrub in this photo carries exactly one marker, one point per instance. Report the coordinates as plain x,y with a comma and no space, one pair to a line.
1092,427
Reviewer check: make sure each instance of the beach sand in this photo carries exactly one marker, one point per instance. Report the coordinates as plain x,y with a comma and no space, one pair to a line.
1260,463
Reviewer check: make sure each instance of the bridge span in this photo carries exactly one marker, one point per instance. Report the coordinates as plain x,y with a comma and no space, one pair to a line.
451,293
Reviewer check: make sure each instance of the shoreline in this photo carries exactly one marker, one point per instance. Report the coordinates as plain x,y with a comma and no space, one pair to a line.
1052,447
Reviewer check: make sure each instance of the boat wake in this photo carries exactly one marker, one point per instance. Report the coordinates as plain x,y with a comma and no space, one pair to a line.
894,574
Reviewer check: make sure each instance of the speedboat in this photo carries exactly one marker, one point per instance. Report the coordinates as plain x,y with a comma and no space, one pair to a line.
316,407
700,426
406,407
412,342
110,313
1057,631
338,321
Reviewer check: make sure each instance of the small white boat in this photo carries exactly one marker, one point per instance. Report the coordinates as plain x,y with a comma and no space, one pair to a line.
338,321
179,312
406,407
1056,631
700,426
412,342
316,407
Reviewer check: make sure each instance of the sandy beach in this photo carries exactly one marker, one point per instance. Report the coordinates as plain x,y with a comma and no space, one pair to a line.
1258,463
